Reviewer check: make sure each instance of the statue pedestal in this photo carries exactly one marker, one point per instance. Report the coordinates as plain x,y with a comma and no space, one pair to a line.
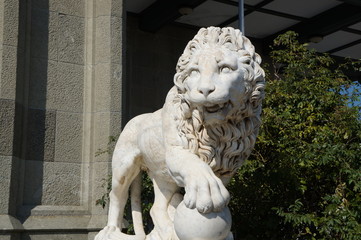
189,224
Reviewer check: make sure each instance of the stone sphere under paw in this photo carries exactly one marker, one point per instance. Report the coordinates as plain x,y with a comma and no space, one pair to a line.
189,224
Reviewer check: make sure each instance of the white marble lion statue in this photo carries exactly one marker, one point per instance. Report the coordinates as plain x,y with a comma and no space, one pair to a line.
206,129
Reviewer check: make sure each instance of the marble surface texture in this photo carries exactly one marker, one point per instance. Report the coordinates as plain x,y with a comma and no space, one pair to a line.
206,129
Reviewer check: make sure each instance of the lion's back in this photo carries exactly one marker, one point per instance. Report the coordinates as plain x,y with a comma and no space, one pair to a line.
139,124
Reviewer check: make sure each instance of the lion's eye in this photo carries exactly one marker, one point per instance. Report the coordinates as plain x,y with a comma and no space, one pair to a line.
225,69
194,73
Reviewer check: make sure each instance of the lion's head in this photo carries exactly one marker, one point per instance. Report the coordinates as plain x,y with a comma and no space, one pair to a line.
220,89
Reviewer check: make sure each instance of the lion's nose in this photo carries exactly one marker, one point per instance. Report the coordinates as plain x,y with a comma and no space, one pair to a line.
206,89
206,86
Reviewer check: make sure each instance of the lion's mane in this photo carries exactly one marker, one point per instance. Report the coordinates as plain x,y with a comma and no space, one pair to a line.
224,147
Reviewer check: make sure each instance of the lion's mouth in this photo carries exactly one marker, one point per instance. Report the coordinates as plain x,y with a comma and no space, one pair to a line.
216,107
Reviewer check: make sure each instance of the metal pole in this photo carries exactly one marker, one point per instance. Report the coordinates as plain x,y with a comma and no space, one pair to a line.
241,15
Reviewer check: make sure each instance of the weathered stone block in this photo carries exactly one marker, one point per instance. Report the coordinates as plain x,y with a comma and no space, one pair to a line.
44,34
68,137
97,223
5,178
71,39
8,61
8,222
71,7
41,4
41,72
92,235
116,40
48,218
102,39
102,87
117,8
52,236
103,7
56,85
105,125
66,93
101,171
41,135
33,181
116,87
11,19
1,24
109,8
62,182
108,86
5,237
7,116
9,176
52,183
1,56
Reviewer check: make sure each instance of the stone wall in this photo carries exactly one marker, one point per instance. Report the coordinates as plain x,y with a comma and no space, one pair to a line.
60,99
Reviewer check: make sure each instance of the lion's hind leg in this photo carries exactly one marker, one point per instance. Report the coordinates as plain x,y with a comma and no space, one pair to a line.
135,197
125,170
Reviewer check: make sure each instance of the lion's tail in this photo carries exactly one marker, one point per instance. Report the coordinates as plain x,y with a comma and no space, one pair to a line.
135,197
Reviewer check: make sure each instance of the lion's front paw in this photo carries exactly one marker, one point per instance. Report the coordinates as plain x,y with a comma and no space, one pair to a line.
205,191
108,233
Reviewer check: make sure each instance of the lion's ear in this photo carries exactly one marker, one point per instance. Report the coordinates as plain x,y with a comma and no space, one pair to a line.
178,81
257,58
248,46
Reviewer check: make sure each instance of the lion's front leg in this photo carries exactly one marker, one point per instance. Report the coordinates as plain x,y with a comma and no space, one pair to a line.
204,190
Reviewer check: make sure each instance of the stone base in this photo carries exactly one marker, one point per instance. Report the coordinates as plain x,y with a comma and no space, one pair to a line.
82,227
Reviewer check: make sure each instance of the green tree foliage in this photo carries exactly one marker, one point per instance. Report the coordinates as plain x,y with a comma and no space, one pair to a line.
303,180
